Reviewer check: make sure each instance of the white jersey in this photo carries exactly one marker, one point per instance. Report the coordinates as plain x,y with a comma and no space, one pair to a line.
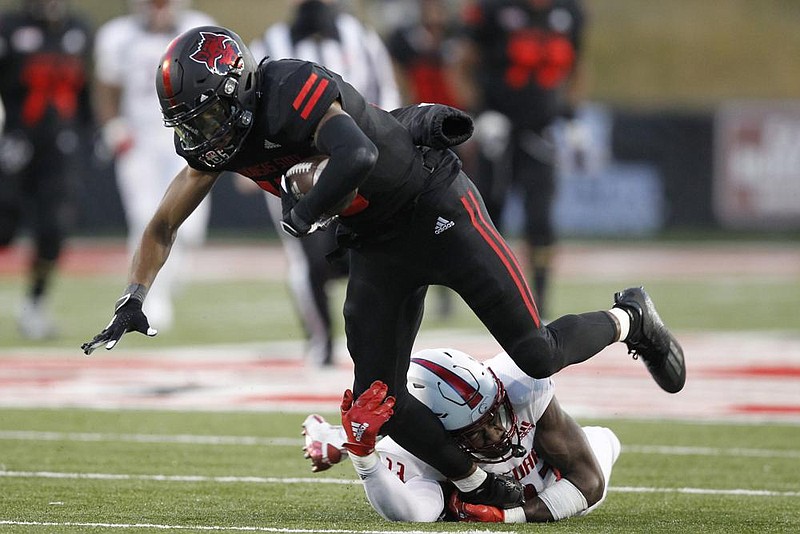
126,56
529,397
359,56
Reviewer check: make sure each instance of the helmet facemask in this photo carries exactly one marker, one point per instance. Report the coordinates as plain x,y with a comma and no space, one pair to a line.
215,129
472,439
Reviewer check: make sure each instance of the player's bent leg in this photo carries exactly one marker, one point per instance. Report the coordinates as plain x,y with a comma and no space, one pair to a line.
490,281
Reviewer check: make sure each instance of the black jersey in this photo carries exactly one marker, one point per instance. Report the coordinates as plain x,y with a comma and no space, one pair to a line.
294,95
528,54
44,73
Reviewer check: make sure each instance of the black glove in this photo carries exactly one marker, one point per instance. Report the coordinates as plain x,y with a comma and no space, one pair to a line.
128,317
497,490
292,223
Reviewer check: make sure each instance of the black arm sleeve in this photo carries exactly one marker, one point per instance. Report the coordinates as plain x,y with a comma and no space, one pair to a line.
352,157
435,125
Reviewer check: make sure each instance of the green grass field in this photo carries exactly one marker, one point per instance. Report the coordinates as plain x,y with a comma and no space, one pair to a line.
77,470
96,468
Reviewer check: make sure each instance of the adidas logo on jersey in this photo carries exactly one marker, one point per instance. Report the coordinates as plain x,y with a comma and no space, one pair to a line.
442,224
358,429
269,145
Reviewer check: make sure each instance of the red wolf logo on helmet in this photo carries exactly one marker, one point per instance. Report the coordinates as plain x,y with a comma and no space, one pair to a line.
218,52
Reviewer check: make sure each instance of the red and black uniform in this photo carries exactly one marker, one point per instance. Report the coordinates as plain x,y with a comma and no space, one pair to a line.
528,51
423,58
44,88
418,221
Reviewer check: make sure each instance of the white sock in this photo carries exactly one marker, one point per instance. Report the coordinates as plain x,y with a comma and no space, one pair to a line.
465,485
624,322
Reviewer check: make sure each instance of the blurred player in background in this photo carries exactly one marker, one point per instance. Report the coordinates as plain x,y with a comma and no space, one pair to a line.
507,421
520,73
45,53
321,32
126,105
422,51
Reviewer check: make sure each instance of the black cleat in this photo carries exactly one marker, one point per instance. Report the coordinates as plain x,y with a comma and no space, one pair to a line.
650,339
497,490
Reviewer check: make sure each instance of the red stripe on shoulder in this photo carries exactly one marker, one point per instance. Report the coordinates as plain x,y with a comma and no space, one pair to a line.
298,101
312,102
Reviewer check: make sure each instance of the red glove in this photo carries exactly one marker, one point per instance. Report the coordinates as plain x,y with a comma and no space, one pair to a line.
474,513
363,420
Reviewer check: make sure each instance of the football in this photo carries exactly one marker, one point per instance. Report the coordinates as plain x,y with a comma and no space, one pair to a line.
303,176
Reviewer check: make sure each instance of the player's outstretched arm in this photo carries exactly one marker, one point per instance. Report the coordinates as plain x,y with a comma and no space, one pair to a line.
183,195
402,496
399,495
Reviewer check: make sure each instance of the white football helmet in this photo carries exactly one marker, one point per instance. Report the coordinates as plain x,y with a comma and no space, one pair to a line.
465,395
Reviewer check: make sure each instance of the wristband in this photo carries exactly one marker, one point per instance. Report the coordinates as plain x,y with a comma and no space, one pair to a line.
136,292
514,515
365,465
563,499
472,482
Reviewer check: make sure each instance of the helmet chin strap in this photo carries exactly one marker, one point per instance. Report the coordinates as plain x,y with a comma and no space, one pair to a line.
517,450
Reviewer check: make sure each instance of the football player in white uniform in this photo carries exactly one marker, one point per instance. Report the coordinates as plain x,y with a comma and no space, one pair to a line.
507,421
126,104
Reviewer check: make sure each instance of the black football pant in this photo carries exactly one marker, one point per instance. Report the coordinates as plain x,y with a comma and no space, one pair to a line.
37,194
384,305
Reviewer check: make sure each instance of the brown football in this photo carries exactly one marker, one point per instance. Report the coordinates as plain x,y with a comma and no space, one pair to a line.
303,176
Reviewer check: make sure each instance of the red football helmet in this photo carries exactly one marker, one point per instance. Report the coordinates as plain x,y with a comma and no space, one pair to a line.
206,84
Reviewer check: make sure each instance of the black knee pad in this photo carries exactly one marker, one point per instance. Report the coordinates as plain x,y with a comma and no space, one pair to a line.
538,357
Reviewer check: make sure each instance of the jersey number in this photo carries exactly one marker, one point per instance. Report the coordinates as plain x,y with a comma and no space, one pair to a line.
398,468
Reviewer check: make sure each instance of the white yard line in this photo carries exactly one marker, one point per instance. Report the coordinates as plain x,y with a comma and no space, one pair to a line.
340,481
194,439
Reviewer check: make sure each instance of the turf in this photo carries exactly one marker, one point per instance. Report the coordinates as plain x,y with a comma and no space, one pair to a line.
658,459
70,470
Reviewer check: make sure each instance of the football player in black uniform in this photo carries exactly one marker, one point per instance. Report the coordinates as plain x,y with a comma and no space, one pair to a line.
44,55
417,220
521,71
